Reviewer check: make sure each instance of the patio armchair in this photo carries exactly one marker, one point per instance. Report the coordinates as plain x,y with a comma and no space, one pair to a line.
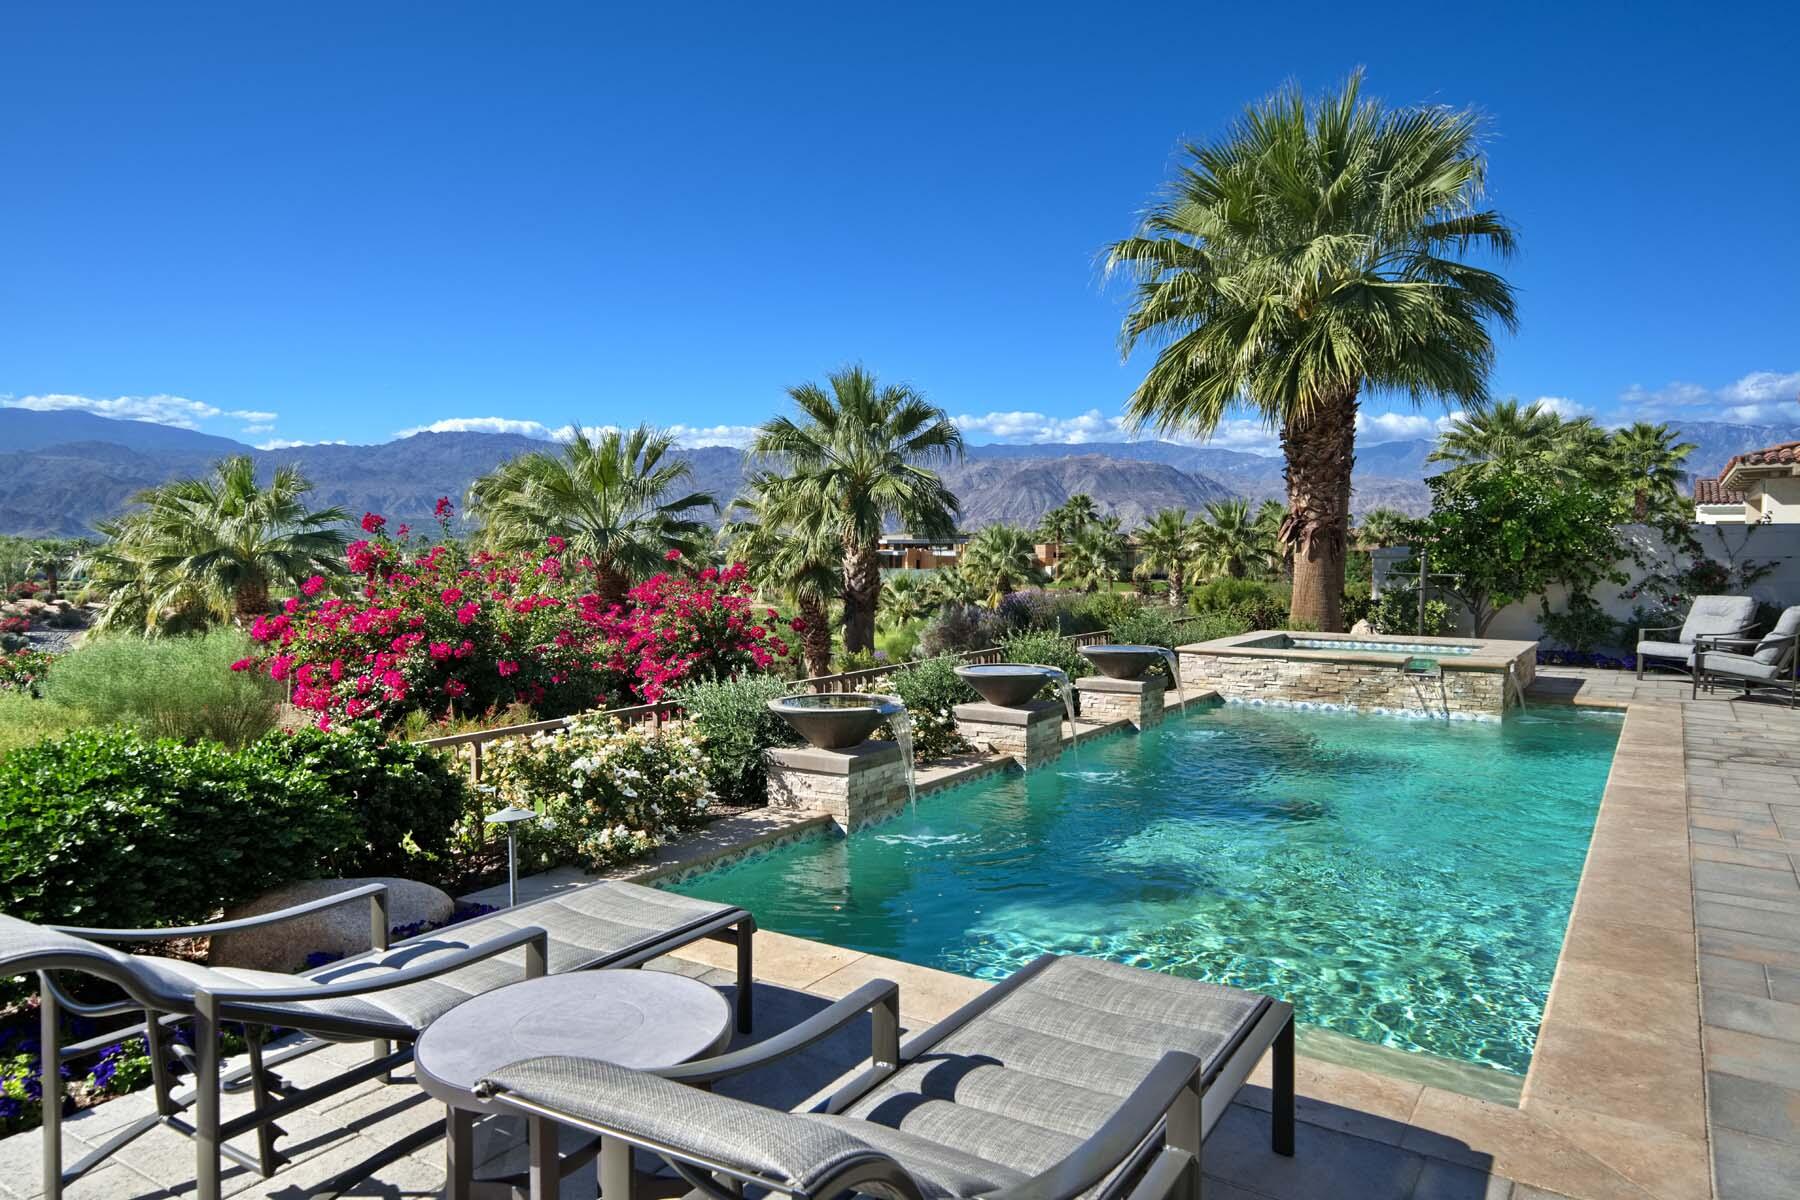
1074,1077
1771,662
1710,617
386,996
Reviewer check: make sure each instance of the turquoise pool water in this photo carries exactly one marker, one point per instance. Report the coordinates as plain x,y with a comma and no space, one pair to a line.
1401,882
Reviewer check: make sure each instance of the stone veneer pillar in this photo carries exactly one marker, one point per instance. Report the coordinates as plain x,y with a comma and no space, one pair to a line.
1139,701
1031,733
850,786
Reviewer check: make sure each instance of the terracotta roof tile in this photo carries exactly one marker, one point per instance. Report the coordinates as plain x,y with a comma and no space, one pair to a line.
1708,491
1786,454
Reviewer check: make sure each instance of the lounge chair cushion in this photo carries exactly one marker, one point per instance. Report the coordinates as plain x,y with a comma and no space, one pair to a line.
1720,616
1665,650
1024,1082
1744,666
1778,643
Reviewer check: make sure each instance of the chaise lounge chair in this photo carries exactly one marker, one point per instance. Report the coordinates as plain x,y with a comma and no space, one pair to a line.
1711,618
1767,663
1074,1077
386,996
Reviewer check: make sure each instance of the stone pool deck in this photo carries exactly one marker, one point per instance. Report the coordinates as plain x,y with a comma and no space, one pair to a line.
1668,1065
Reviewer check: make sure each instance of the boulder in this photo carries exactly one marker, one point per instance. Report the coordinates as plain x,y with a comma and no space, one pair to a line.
339,931
1362,629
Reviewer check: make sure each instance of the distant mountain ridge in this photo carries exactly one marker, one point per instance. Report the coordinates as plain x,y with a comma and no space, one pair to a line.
61,472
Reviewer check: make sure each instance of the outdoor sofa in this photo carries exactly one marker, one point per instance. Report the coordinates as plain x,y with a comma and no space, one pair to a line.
1768,663
1711,617
386,996
1074,1077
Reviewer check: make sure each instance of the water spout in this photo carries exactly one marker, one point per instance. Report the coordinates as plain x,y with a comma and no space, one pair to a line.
1174,664
1066,691
1517,691
901,723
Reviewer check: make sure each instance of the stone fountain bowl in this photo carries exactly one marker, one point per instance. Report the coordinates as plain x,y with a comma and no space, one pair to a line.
1006,684
1121,662
836,720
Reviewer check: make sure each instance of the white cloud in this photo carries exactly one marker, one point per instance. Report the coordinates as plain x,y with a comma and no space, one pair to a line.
1563,407
714,435
286,444
1759,396
159,409
1401,426
1035,427
531,429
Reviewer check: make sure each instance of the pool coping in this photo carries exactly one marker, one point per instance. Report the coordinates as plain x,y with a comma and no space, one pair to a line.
1613,1104
1490,654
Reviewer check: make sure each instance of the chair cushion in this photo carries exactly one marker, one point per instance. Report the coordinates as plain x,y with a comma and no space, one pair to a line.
1743,666
1665,650
1719,615
1773,651
1027,1080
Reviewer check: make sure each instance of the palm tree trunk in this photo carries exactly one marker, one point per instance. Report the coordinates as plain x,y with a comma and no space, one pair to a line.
1174,574
1640,507
1321,452
862,592
251,600
815,639
610,585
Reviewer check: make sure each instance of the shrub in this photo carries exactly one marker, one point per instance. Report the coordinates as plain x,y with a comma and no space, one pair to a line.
1047,650
25,722
1264,606
605,792
930,691
175,687
25,671
1582,626
1210,626
1148,625
959,628
732,721
1357,601
405,799
105,827
1397,614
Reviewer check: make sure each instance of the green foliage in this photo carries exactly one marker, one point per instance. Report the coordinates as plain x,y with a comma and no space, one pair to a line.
1397,614
1357,601
25,671
1046,649
1147,626
959,628
104,827
901,643
176,687
25,722
1581,626
405,799
1508,534
930,691
731,718
1001,559
606,793
1261,605
1213,625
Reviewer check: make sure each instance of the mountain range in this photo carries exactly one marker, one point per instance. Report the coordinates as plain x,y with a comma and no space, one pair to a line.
61,472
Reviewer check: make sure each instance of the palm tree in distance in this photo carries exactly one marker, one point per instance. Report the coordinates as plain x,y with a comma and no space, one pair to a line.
790,551
1650,462
1503,436
906,597
1383,527
1166,544
952,585
1230,539
614,499
216,546
1312,255
1091,559
864,453
1000,559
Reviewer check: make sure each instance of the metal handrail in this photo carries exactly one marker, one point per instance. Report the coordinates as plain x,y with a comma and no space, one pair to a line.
663,713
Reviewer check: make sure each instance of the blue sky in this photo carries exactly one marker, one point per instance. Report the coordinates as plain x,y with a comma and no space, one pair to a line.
325,222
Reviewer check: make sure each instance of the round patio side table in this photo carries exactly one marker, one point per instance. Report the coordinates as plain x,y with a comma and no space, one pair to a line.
635,1018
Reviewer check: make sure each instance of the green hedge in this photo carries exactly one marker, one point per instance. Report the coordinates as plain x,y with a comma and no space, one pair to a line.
732,721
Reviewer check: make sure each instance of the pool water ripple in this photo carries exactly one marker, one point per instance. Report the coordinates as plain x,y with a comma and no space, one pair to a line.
1401,883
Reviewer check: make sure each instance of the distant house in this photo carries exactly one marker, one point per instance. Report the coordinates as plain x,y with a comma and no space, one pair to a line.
1758,487
902,551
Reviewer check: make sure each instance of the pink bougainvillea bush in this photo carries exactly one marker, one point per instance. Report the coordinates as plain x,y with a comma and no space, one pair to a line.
426,625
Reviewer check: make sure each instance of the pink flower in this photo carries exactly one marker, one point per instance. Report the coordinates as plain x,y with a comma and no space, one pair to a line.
443,510
506,667
451,597
243,664
372,523
291,605
468,612
555,543
456,687
672,556
797,625
314,585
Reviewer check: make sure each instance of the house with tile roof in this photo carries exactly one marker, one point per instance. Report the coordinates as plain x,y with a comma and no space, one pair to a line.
1758,487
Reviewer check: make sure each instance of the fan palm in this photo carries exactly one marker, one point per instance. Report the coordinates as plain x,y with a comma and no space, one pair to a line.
1500,437
216,544
1313,255
51,558
1230,538
1000,559
1383,527
791,551
613,499
1091,559
863,453
1650,461
1166,544
906,597
952,585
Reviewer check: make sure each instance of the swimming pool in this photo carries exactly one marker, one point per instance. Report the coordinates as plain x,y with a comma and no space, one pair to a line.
1401,883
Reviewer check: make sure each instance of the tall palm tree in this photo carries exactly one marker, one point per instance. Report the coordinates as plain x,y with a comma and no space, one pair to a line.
613,499
791,551
863,453
1230,539
51,557
1001,559
218,543
1091,559
1650,462
1312,255
1166,544
1503,436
